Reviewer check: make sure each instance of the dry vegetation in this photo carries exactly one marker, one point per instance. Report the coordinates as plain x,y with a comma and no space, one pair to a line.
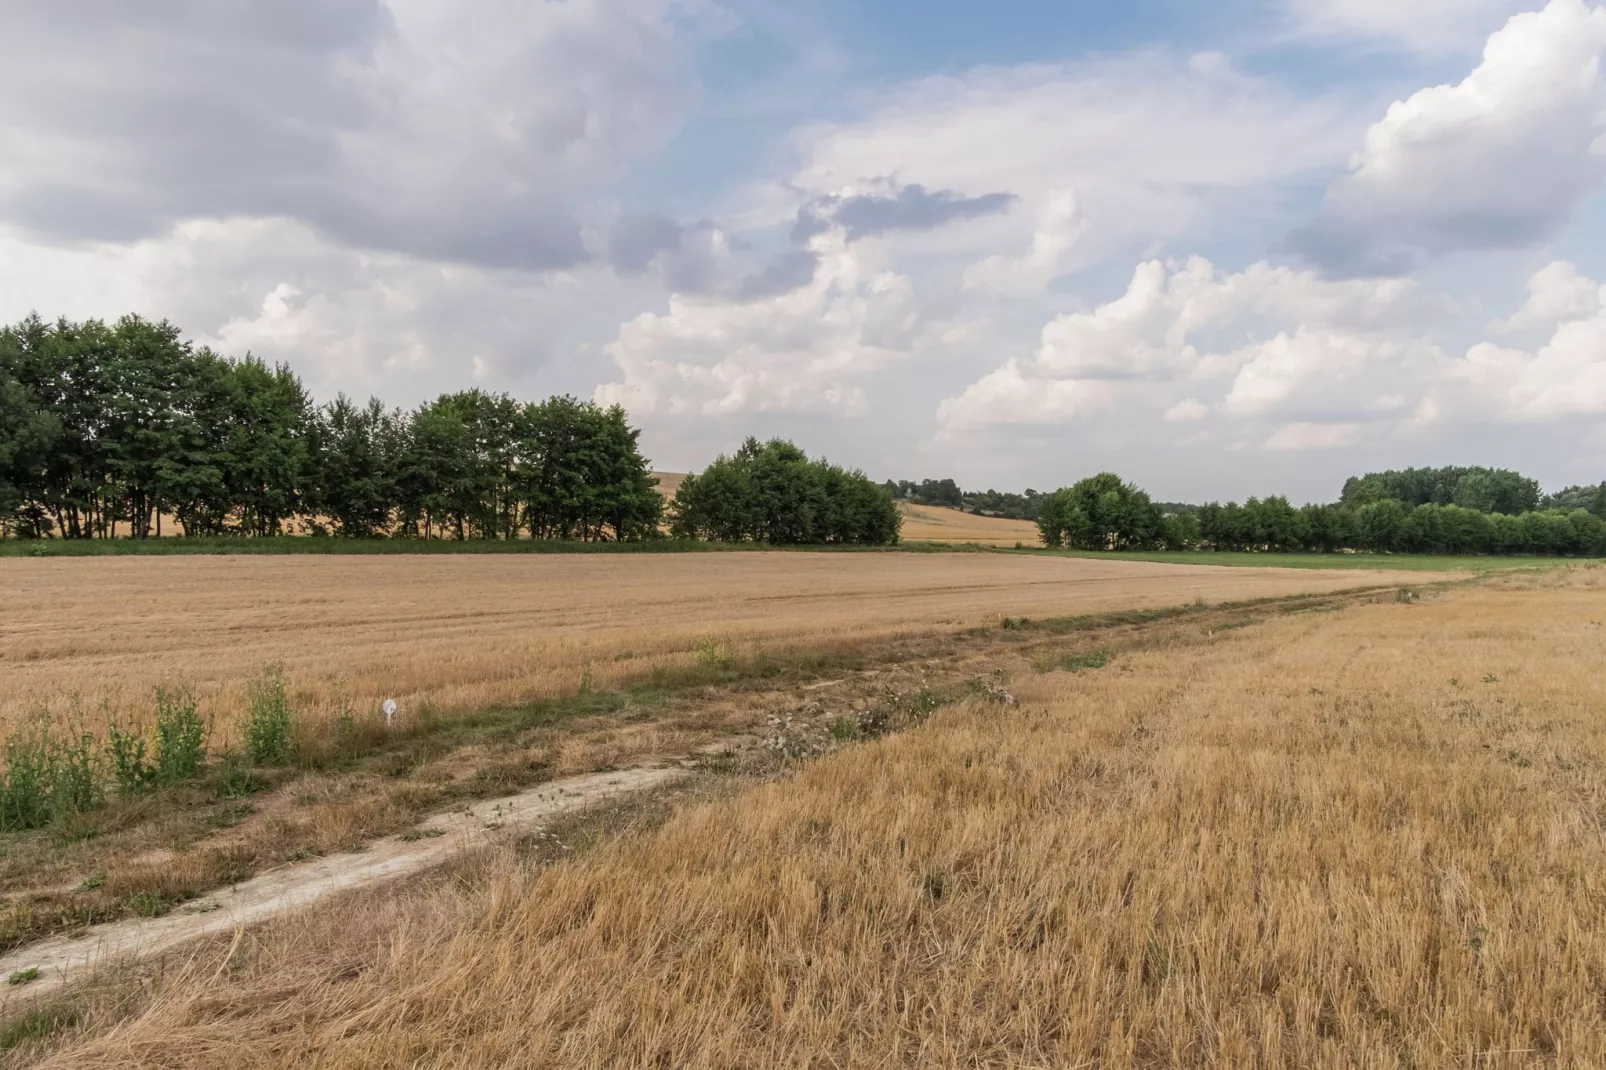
1366,837
933,523
465,632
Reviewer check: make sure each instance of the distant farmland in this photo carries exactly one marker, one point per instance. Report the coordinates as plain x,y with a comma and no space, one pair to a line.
463,631
934,523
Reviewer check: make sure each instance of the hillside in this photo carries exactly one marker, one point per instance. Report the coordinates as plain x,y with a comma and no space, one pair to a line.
935,523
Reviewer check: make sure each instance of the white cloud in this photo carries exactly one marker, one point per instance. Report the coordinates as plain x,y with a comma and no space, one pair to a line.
800,351
1566,377
1059,224
1420,25
1006,396
1319,367
347,320
1190,322
400,125
1153,144
1313,436
1499,160
1556,293
1186,411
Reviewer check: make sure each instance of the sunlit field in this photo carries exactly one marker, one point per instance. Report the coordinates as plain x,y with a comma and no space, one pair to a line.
1366,837
463,632
933,523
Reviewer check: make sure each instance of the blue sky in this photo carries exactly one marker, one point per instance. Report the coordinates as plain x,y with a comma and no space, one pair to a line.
1224,249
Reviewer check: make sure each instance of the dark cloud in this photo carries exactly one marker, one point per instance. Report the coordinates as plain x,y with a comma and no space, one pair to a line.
639,239
694,259
784,273
119,120
1343,241
911,207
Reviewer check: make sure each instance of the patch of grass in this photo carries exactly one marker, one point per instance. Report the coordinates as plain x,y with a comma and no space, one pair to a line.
846,729
1080,661
37,1024
22,977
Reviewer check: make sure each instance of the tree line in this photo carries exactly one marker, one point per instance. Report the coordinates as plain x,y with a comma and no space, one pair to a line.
1103,512
107,428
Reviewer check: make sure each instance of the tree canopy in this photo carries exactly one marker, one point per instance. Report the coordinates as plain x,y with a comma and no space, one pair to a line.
1100,513
773,493
1488,490
104,426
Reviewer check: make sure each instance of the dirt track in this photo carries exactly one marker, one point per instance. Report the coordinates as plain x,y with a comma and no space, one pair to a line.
65,960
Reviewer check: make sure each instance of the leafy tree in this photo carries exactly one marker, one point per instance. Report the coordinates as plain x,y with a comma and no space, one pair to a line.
354,477
1100,513
1489,490
267,452
774,493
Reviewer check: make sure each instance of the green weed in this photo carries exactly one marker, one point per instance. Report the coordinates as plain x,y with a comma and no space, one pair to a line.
180,736
269,731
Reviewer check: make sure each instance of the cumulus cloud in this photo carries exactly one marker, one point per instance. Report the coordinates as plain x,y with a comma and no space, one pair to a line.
1556,293
1499,160
1313,436
400,126
1059,224
1417,25
802,350
1315,369
1152,143
1191,323
1565,377
362,322
1009,396
1186,411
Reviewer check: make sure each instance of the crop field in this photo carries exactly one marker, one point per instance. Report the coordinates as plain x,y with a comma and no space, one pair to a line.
1370,836
933,523
462,632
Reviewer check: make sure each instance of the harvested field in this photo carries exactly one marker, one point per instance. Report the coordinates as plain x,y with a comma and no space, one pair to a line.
464,632
1367,837
933,523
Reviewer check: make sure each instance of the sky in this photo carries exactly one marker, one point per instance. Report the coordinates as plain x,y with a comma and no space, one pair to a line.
1241,248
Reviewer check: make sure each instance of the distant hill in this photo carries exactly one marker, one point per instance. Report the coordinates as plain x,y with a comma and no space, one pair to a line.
669,482
936,523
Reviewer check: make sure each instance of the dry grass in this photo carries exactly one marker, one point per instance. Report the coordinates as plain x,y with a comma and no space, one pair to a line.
1370,837
464,632
933,523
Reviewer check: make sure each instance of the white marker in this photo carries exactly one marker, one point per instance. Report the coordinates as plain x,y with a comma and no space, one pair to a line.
389,709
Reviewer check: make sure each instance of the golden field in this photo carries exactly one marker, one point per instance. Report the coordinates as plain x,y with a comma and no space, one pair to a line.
1368,837
466,631
933,523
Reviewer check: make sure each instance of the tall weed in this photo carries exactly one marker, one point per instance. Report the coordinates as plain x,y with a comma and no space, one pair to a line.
47,778
269,732
25,787
126,748
180,736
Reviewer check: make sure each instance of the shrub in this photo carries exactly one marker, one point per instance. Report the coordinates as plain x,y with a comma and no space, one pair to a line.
269,736
48,779
180,736
126,748
25,788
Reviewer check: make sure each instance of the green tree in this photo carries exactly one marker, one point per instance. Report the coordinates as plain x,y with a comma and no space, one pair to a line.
1100,513
774,493
356,450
